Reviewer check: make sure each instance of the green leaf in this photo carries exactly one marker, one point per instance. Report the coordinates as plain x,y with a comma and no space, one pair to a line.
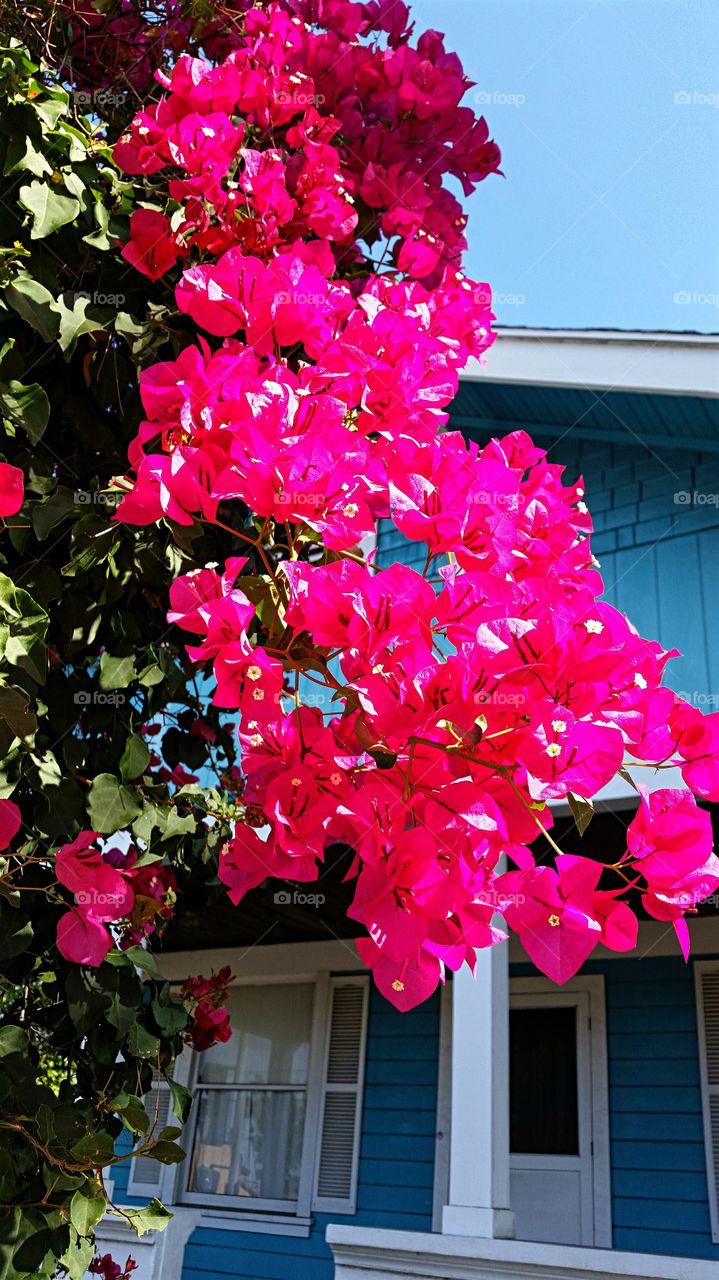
181,1100
27,406
35,304
50,109
50,208
22,154
116,673
154,1218
95,1147
78,1257
47,515
23,641
141,1042
111,806
582,810
16,936
151,676
144,960
86,1210
13,1040
74,319
135,758
626,775
134,1113
16,710
177,824
168,1152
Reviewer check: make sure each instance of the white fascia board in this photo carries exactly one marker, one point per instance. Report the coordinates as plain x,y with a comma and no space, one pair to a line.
285,961
661,363
366,1253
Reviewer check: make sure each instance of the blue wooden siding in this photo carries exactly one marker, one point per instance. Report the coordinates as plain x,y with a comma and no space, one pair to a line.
659,1185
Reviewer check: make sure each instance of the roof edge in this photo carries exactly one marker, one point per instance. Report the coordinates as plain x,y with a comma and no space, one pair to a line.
602,360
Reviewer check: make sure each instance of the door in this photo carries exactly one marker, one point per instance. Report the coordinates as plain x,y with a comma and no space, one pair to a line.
559,1166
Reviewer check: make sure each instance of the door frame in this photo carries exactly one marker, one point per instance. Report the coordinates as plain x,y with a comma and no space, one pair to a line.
593,987
587,993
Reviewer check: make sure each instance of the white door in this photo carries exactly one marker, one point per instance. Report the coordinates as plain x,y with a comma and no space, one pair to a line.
559,1112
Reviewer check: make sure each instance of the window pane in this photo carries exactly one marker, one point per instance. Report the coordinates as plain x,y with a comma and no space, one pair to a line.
248,1143
270,1042
543,1115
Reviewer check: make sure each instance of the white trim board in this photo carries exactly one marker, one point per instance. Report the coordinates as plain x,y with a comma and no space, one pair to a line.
366,1253
289,961
602,360
663,363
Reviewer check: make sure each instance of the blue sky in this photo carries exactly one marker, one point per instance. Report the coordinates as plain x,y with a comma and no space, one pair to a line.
607,113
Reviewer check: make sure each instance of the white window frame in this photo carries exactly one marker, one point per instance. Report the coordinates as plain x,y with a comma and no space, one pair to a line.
287,1208
707,1091
321,964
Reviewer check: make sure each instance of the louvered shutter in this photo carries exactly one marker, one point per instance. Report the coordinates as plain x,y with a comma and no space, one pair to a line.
341,1110
708,1018
146,1175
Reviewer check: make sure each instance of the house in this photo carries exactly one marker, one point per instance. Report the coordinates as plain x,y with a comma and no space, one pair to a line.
507,1127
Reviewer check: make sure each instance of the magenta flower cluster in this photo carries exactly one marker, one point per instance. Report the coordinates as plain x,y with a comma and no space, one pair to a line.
427,719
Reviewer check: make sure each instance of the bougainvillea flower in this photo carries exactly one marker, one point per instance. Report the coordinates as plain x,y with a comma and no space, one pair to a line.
12,489
10,822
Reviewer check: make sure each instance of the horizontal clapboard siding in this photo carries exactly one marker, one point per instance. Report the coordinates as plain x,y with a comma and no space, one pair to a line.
396,1168
659,1186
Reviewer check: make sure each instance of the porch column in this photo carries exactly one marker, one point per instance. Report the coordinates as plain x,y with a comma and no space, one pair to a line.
478,1201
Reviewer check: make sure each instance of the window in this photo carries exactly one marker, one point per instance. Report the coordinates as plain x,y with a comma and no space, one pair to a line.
707,988
275,1120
